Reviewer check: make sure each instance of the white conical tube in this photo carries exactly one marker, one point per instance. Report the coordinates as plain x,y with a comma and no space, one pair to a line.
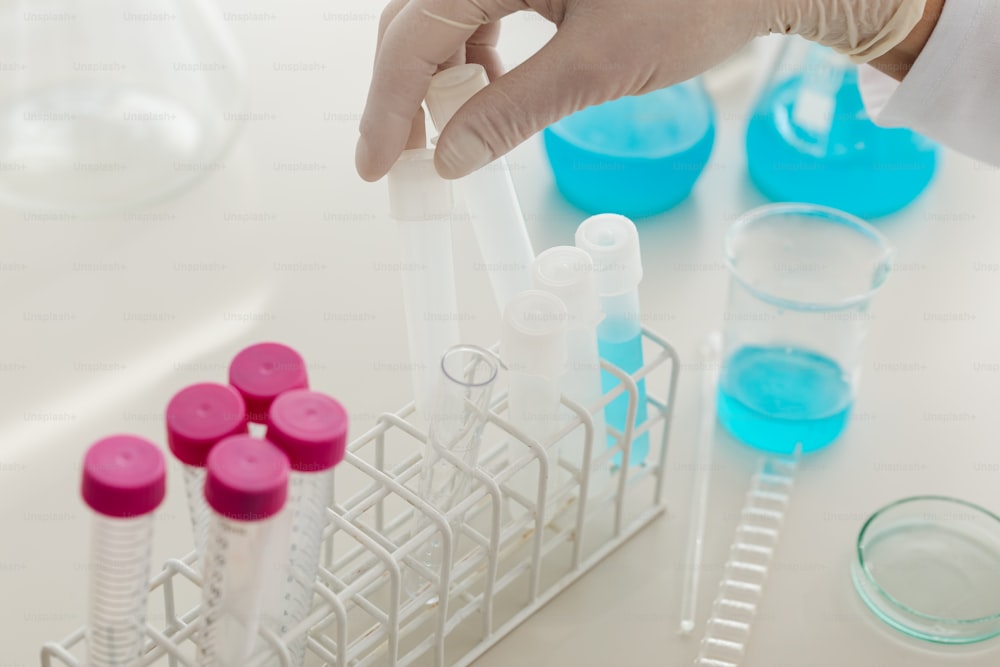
568,273
488,192
420,202
533,347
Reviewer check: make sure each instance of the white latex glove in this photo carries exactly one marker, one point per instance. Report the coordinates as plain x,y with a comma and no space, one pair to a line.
603,50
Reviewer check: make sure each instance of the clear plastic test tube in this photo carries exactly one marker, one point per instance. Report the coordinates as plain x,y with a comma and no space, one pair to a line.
612,241
261,373
568,273
311,428
246,488
488,192
533,348
124,481
198,417
421,203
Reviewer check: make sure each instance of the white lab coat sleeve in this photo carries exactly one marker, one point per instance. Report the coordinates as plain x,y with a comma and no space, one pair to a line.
952,92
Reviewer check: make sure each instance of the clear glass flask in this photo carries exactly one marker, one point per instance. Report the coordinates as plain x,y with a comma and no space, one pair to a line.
108,104
461,407
802,278
810,139
636,156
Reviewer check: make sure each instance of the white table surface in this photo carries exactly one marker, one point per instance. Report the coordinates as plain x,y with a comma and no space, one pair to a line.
926,422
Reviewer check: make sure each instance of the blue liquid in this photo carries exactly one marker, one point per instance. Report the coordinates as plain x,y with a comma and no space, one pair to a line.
628,357
775,397
854,165
636,156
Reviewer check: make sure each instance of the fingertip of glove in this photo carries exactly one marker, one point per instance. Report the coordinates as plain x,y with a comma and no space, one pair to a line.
461,153
364,163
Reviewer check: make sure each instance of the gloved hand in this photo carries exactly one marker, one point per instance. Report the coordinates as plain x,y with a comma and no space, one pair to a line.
603,50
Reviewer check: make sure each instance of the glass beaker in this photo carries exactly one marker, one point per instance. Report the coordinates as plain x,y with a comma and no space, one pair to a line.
802,278
107,104
460,409
810,139
635,156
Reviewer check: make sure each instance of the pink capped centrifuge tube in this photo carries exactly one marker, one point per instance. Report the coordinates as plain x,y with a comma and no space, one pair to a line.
198,417
124,481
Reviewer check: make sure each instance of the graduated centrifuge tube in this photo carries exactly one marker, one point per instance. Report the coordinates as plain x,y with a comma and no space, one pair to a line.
488,192
533,348
612,241
124,481
261,373
198,417
246,488
311,428
459,413
568,273
421,203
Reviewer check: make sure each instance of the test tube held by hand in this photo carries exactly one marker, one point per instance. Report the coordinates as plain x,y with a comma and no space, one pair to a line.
421,203
311,428
568,273
246,487
612,241
533,347
199,417
488,192
124,481
261,373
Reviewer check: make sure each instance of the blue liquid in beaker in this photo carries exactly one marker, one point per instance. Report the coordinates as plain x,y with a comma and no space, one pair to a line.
636,156
773,398
828,152
627,356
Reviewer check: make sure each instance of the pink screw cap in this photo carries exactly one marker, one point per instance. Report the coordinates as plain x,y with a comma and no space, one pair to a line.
247,478
201,415
124,476
311,428
264,371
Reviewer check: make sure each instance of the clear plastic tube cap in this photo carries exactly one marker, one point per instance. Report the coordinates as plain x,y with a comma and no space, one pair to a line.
568,273
247,478
311,428
451,88
416,191
201,415
612,241
533,337
124,476
264,371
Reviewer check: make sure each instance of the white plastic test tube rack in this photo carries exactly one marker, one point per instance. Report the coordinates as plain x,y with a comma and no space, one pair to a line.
502,570
741,589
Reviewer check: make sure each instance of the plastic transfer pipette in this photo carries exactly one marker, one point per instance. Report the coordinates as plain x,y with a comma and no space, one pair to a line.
421,202
488,192
699,494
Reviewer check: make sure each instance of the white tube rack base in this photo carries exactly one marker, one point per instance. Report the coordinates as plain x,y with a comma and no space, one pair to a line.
510,554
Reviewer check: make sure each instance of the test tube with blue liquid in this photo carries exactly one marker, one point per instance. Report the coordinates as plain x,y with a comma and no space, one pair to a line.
811,140
801,281
612,241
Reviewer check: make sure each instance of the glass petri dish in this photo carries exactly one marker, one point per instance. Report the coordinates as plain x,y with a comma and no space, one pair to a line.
929,566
